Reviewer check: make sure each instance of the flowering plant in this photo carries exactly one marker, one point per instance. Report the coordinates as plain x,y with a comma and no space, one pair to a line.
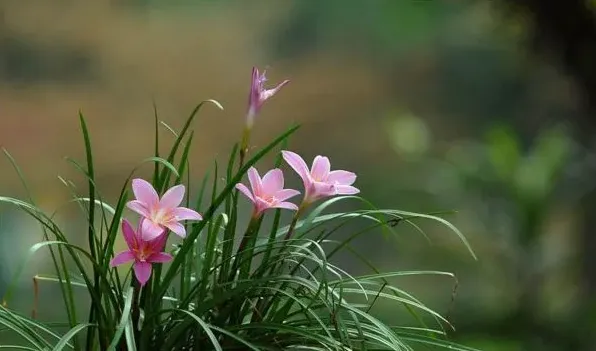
222,284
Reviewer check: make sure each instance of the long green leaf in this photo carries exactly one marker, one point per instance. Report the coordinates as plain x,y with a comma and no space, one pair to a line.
71,333
207,328
124,320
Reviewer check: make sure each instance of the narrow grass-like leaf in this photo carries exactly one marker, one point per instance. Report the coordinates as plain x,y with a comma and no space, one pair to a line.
71,333
445,223
207,330
162,178
65,289
124,320
165,163
156,147
17,347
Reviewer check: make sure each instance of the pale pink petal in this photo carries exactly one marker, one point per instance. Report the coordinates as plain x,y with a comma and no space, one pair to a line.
150,230
144,192
298,164
183,214
159,257
320,168
244,190
266,94
287,205
346,190
324,189
173,197
121,258
261,205
319,190
130,236
142,271
255,181
177,228
285,194
254,82
341,177
139,207
253,98
273,181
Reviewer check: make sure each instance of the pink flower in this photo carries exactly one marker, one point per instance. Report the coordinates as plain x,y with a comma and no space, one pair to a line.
160,214
258,94
320,181
268,192
142,252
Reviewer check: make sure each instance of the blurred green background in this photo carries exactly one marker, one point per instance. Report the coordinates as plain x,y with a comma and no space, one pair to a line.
472,106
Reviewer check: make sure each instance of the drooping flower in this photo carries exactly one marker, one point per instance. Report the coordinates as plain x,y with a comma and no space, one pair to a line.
258,94
142,252
267,192
160,213
320,181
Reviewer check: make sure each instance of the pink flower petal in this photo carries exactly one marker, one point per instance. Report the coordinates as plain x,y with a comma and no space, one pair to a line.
173,197
261,205
298,164
142,271
139,207
144,192
324,189
273,181
287,205
319,190
157,244
253,98
183,214
285,194
255,181
150,230
121,258
159,257
176,228
244,190
341,177
130,236
266,94
255,77
320,168
346,190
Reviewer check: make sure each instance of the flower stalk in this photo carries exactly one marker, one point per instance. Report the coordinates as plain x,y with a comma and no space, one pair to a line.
244,145
244,255
294,222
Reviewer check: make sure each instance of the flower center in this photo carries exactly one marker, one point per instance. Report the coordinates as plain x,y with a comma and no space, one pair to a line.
269,199
141,255
160,216
320,179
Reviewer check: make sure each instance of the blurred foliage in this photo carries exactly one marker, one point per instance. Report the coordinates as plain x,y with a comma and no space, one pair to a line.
513,187
387,27
474,62
409,135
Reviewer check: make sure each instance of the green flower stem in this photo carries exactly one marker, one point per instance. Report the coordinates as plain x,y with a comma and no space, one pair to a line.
244,145
294,221
263,304
245,247
136,310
